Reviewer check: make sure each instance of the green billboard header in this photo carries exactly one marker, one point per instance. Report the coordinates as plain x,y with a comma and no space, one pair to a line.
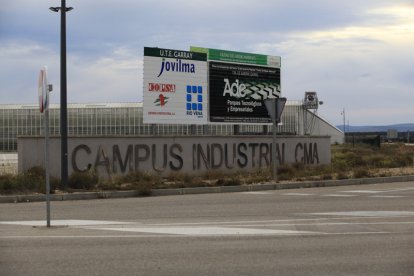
239,57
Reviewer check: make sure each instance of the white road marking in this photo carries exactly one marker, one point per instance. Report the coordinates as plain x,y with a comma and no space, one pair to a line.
257,193
398,190
362,191
386,196
156,229
84,236
297,194
206,231
65,222
368,214
335,223
339,195
378,191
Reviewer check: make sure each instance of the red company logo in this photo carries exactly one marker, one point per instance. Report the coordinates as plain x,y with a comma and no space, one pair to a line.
161,100
161,87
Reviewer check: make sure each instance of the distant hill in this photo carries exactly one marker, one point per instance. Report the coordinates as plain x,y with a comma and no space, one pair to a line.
398,127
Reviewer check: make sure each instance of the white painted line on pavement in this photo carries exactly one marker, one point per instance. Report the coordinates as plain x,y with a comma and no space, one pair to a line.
334,223
339,195
244,222
297,194
257,193
362,191
385,196
65,222
84,236
392,190
206,231
368,214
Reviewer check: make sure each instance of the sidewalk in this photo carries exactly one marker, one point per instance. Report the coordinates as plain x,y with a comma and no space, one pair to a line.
205,190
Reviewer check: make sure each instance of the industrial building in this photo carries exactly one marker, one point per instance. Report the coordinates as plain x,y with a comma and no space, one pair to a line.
126,119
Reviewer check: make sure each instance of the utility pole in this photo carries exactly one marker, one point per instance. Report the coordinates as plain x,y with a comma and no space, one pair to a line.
63,94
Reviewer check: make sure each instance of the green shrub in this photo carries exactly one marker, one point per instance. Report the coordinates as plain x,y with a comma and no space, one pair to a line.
233,181
341,175
258,175
54,184
83,180
298,166
285,172
326,177
139,176
143,182
144,188
180,177
213,174
37,171
6,184
361,172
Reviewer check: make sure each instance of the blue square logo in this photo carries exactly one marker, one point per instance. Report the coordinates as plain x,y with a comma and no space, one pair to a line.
194,97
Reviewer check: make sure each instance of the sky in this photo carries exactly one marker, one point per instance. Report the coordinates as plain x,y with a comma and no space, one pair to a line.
357,55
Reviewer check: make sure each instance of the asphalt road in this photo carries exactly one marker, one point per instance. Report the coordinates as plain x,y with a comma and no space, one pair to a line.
354,230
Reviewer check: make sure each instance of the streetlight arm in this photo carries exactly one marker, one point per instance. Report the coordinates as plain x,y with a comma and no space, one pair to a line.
57,9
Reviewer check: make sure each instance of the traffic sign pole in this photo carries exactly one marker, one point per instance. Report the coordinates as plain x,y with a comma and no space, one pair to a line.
274,162
43,89
275,108
46,122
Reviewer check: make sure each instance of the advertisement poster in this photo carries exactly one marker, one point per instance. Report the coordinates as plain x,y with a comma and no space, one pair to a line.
175,87
237,92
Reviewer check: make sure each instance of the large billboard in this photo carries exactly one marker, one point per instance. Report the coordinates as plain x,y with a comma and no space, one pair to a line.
237,92
238,84
175,87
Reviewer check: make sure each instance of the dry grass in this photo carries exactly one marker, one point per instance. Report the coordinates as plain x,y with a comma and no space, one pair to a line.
347,162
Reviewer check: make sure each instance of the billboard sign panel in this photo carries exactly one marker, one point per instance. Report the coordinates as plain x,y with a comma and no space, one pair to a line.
175,87
239,57
239,83
237,92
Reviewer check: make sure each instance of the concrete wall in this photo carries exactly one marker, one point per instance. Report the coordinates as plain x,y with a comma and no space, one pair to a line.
120,155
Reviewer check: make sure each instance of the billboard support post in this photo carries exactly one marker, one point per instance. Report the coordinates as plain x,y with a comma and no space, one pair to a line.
275,108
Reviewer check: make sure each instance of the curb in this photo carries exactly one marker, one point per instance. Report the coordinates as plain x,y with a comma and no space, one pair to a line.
206,190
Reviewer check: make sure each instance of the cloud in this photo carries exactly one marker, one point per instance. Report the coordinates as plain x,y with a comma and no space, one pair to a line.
116,77
363,68
21,63
355,54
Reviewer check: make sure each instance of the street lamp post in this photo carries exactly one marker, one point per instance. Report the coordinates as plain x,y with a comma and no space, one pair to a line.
63,93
